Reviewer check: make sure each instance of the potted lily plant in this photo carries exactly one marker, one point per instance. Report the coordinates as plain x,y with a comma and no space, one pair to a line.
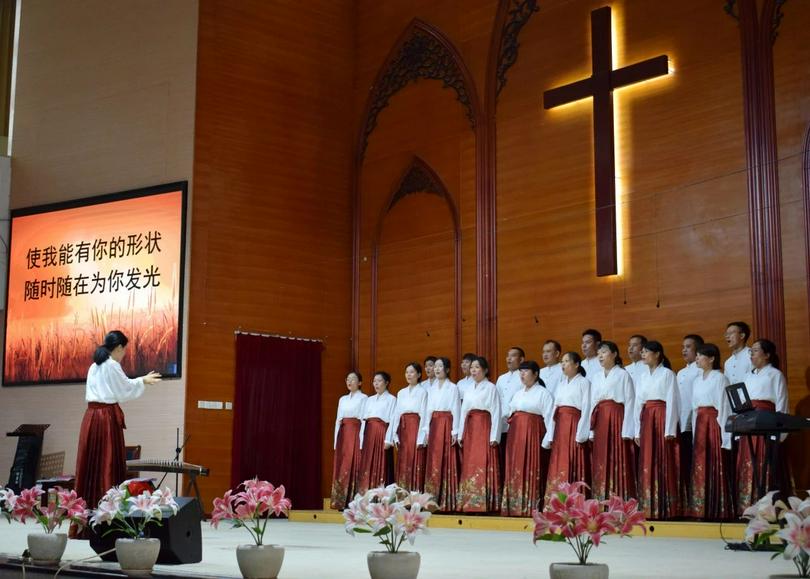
250,509
60,506
131,508
788,522
582,523
393,515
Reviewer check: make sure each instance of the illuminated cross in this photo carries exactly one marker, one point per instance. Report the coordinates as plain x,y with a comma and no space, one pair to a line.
600,86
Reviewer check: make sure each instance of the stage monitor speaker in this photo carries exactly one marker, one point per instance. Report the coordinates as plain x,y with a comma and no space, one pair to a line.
180,535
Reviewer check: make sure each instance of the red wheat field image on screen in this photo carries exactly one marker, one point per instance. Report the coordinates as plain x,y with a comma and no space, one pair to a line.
79,272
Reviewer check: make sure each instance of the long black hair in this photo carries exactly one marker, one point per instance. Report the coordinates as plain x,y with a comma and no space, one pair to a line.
655,346
577,359
111,342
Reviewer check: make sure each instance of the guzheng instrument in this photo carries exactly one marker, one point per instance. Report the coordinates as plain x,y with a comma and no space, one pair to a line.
173,466
159,465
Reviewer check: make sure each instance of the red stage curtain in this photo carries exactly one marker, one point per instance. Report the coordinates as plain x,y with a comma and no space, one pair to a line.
277,416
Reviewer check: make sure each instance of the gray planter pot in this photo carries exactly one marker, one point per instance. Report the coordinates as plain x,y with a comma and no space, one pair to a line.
259,561
385,565
46,548
137,556
577,571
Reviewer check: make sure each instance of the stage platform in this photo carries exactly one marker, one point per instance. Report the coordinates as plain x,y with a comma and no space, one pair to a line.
671,529
316,551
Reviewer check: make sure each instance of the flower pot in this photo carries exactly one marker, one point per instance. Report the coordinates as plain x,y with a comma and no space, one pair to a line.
259,561
137,556
385,565
46,548
578,571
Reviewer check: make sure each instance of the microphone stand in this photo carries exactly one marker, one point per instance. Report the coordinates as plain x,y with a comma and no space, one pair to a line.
178,449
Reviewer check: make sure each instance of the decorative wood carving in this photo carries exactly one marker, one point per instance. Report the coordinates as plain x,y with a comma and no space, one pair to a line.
757,33
423,54
518,14
418,177
776,17
422,51
600,85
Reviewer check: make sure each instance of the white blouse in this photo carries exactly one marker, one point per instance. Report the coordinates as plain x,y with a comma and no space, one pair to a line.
483,396
351,405
616,386
592,367
380,406
738,365
768,383
551,376
464,384
686,378
107,383
574,392
636,371
442,398
535,400
660,384
411,399
710,391
508,383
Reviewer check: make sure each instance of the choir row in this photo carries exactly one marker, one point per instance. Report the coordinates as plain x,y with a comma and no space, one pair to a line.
637,431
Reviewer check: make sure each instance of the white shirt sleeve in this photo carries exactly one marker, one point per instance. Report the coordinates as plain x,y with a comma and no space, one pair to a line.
781,392
495,424
455,411
584,425
723,412
629,423
672,401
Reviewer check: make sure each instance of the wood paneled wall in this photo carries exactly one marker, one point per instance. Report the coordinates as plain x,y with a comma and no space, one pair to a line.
273,188
681,170
271,218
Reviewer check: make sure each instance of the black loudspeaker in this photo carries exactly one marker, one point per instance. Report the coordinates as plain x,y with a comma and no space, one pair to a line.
180,535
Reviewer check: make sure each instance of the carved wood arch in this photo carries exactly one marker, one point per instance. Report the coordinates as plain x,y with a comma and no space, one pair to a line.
418,177
421,52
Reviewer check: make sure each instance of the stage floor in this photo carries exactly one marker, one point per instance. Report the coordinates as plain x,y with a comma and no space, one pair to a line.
315,550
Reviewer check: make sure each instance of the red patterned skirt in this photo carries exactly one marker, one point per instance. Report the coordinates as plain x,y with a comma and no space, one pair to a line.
479,481
101,462
410,459
659,464
613,459
376,462
526,465
441,462
747,493
569,460
346,463
711,468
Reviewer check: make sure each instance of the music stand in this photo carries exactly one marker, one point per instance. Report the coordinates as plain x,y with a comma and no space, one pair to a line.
738,398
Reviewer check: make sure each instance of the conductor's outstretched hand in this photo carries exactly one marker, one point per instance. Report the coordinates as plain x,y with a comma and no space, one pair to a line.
152,378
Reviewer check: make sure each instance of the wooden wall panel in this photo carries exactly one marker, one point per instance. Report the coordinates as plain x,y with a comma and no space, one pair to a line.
426,120
416,310
679,166
271,221
792,94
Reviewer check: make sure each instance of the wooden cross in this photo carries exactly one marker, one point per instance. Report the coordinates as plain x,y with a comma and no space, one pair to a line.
600,86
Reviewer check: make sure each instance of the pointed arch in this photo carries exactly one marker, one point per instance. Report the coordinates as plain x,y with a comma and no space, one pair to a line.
421,52
418,177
